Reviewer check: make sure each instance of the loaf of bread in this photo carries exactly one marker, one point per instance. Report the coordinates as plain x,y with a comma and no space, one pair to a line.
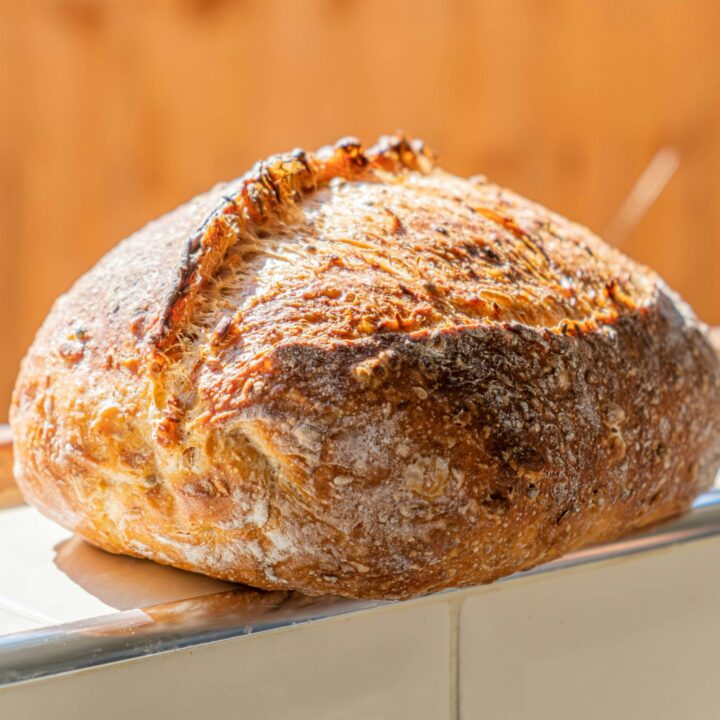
350,372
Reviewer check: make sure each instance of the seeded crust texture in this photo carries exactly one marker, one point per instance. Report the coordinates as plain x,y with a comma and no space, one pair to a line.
350,372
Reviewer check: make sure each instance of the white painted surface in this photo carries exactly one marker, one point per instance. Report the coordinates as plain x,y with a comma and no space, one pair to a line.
11,622
50,576
391,663
636,637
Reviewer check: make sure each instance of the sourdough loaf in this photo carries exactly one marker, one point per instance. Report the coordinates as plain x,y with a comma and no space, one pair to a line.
350,372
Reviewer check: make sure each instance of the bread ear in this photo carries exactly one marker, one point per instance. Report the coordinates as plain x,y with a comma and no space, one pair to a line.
270,191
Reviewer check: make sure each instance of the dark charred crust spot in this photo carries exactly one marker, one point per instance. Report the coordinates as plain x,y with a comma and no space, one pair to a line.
497,502
268,181
528,458
407,291
561,516
301,156
189,263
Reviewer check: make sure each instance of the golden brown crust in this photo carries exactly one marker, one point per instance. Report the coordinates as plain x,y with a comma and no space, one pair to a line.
351,372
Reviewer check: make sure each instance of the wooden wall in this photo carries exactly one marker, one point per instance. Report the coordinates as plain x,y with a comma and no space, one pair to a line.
113,111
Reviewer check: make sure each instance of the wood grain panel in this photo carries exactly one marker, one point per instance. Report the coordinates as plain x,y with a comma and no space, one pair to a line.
115,110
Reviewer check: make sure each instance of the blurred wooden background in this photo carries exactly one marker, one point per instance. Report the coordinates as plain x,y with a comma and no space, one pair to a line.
113,111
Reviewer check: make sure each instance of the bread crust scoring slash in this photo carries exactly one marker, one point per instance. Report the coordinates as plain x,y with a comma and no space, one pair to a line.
351,372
